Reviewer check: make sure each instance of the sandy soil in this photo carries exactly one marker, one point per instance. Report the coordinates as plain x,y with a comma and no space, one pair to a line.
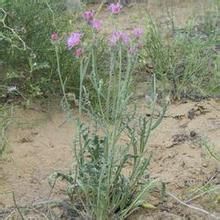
39,144
163,12
37,147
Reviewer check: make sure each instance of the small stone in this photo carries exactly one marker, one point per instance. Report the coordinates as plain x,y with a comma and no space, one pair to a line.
171,155
192,146
191,114
193,134
205,165
183,164
169,205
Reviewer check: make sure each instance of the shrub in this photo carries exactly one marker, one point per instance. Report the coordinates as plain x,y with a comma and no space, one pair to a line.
187,63
27,53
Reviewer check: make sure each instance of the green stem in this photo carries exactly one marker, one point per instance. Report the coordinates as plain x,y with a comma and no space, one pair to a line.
108,108
80,86
119,95
60,75
97,84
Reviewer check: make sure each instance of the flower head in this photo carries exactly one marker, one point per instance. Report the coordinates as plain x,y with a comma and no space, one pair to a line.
125,38
115,8
115,37
96,24
138,32
78,53
54,36
88,15
119,36
74,40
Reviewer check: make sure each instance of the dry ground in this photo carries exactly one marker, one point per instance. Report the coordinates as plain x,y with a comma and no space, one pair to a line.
39,144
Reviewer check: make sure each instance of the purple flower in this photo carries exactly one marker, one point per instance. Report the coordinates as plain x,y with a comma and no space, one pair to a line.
88,15
119,36
115,8
78,53
138,32
96,24
115,37
54,36
125,38
74,40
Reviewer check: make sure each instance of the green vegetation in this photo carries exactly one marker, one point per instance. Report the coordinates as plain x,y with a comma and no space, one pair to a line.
4,122
27,55
187,64
98,186
46,50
